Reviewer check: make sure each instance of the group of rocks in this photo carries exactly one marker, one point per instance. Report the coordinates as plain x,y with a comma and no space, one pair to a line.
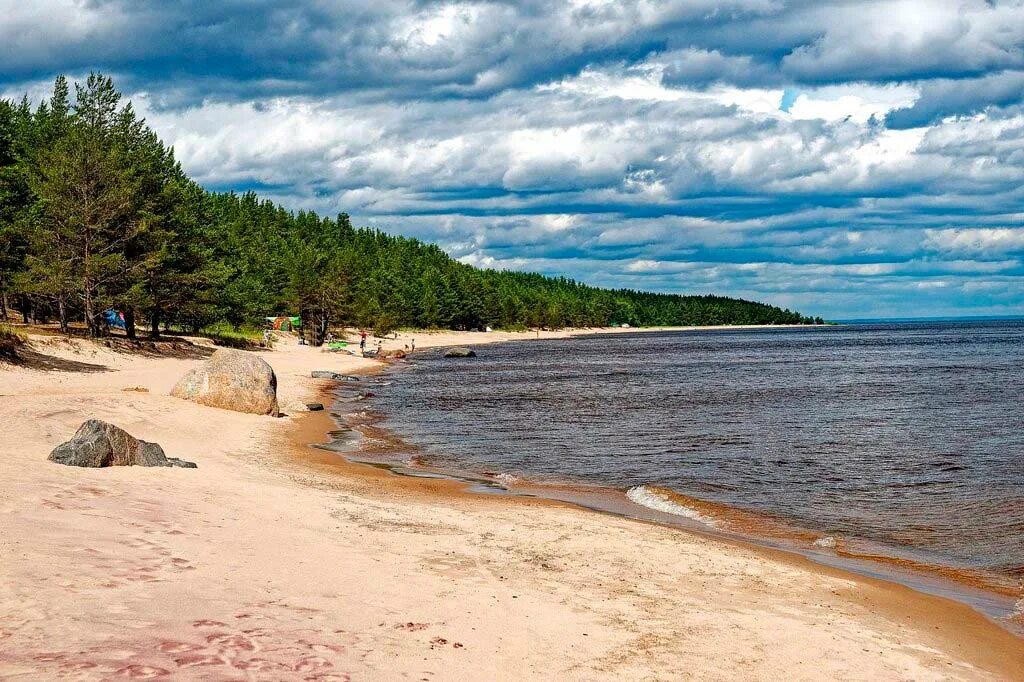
231,380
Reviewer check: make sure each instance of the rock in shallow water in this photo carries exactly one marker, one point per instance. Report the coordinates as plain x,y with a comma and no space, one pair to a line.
460,353
99,444
327,374
232,380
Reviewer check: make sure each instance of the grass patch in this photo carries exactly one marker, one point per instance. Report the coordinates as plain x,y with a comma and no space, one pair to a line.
10,341
245,338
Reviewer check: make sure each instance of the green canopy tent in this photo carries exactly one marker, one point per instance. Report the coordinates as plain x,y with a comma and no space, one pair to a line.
285,323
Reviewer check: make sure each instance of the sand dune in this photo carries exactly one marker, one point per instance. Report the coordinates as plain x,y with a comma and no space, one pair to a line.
277,561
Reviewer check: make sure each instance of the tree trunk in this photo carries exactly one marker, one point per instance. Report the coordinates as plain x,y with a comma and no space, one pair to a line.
62,313
154,322
3,306
24,308
90,315
129,322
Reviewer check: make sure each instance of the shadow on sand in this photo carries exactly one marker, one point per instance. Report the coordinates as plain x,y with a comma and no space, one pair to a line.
33,359
35,356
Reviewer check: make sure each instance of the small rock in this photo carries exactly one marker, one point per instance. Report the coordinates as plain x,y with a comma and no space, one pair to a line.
460,353
314,407
99,444
335,376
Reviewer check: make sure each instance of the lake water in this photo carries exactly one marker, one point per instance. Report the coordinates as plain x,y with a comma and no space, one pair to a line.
898,440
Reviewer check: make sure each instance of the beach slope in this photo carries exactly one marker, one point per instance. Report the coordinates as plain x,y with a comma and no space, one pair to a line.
277,561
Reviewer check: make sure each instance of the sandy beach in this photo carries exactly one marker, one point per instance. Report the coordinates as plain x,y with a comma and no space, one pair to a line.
278,561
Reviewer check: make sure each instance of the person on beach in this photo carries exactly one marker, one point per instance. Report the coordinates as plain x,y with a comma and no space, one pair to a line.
362,341
413,346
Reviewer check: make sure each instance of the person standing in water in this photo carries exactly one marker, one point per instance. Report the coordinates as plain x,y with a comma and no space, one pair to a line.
413,346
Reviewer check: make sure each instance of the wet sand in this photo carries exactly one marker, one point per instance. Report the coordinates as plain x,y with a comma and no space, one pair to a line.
277,560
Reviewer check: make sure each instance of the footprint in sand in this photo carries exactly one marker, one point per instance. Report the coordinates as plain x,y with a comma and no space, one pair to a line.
441,641
232,642
208,624
178,647
256,632
261,665
142,672
199,660
311,664
411,627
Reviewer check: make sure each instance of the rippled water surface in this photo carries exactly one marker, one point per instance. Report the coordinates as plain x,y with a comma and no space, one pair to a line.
910,436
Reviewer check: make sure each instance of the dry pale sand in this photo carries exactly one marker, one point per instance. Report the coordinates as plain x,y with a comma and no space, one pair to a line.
277,561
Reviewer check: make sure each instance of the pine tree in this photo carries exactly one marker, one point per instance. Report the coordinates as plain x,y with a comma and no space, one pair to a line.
95,211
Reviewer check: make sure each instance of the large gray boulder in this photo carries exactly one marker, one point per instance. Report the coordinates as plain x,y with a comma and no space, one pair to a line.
460,353
99,444
232,380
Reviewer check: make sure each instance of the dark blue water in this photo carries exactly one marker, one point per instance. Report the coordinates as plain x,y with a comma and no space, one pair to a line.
909,436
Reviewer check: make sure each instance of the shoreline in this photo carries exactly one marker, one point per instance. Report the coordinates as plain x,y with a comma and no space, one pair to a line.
977,633
994,596
286,561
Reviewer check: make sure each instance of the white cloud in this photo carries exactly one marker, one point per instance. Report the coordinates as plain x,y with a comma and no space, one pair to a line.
630,142
854,101
976,240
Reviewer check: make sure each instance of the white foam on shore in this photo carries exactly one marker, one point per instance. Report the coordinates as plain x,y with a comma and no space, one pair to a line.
654,499
828,542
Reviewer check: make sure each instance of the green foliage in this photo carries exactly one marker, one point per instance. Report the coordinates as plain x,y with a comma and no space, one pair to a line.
95,212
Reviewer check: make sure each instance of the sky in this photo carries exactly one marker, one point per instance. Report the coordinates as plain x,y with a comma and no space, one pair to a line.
848,159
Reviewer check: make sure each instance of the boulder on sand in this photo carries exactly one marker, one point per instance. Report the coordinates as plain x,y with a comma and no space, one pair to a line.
232,380
460,353
99,444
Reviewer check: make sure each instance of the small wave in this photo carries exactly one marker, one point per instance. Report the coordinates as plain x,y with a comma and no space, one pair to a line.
506,479
1018,612
660,500
828,542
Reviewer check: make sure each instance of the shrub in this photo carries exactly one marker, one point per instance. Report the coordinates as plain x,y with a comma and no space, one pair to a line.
10,341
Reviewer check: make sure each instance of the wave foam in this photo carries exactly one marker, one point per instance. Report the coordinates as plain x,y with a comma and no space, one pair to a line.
658,500
828,542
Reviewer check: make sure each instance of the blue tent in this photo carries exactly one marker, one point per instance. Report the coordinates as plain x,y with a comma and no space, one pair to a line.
113,318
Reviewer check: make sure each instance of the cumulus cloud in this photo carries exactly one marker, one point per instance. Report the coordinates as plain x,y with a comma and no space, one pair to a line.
829,156
942,97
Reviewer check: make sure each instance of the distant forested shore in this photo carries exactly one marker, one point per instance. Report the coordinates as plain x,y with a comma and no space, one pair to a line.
96,214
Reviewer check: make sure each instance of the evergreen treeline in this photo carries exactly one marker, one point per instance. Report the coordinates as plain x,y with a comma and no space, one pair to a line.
96,213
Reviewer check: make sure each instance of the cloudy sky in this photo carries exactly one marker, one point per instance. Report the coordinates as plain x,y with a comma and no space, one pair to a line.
852,158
